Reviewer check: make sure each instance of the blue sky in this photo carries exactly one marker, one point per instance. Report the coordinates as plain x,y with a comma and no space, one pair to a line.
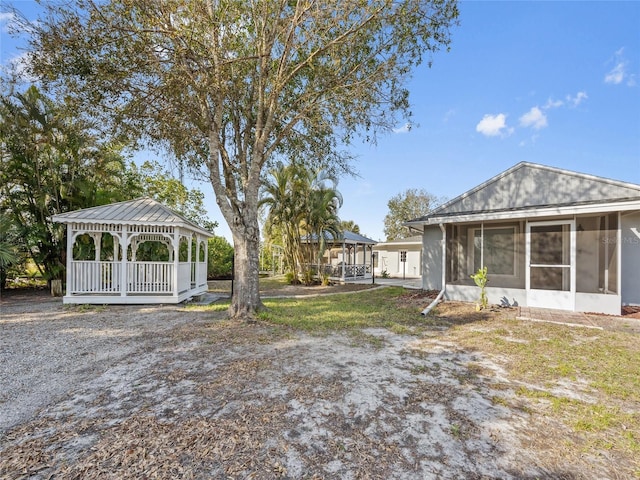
556,83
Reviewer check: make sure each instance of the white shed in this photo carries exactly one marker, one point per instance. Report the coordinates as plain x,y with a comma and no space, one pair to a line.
399,258
122,269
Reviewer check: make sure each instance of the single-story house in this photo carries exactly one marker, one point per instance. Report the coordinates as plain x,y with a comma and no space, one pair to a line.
549,237
133,252
399,258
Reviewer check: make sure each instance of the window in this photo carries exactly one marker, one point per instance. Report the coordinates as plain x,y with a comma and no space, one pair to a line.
502,251
497,250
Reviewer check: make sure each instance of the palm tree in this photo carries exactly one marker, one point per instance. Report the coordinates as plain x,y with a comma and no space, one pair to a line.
51,162
322,220
279,196
350,225
301,203
8,255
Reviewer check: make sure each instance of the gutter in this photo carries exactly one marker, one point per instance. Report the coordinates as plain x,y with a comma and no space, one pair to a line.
427,310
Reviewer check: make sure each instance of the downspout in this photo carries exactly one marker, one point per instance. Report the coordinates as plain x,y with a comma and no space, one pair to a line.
426,311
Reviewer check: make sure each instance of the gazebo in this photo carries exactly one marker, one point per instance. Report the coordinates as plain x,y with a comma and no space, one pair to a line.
348,257
133,252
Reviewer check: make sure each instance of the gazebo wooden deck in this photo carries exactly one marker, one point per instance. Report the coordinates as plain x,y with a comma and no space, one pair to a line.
115,275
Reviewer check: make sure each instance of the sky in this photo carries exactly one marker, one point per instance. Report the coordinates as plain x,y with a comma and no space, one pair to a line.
554,83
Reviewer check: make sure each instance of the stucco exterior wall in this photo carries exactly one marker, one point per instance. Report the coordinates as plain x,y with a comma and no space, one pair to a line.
432,258
388,259
630,259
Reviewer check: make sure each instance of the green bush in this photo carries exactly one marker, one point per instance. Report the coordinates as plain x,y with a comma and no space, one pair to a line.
220,261
291,278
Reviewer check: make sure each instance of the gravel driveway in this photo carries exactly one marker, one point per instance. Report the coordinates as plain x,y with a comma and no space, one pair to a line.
163,392
47,350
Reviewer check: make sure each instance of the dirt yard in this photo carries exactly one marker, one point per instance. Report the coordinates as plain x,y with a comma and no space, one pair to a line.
163,392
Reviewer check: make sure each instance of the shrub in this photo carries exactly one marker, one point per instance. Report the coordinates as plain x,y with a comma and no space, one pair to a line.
220,261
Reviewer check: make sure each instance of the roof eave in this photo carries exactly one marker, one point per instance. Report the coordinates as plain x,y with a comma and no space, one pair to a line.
63,218
543,211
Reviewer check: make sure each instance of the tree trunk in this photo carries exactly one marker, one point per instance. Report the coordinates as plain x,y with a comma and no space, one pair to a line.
245,301
56,288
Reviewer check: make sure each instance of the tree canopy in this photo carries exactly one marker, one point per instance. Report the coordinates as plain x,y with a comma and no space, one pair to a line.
405,206
51,162
230,86
152,180
350,225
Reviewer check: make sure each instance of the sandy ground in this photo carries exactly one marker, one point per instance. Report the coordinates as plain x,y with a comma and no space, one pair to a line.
160,392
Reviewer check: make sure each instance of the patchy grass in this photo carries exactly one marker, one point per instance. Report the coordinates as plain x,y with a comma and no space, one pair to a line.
266,283
219,286
605,362
586,379
272,283
85,307
347,310
368,309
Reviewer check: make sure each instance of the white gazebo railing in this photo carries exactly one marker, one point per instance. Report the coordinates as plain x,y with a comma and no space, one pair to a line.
90,277
93,277
149,277
341,272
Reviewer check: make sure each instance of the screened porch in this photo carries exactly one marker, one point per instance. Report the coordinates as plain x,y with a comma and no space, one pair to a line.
569,263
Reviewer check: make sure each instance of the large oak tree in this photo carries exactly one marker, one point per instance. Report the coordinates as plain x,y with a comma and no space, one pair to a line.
231,85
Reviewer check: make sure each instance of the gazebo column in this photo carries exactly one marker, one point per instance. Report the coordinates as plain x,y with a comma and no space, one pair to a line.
176,256
190,260
197,262
69,262
206,260
116,250
344,258
198,269
123,262
364,259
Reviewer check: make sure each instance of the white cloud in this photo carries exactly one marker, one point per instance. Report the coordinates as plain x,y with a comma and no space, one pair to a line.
494,125
578,99
450,114
18,65
6,19
534,118
406,128
552,104
620,71
6,16
617,74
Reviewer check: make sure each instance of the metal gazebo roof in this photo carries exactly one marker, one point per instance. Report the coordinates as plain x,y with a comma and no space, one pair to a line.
141,211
